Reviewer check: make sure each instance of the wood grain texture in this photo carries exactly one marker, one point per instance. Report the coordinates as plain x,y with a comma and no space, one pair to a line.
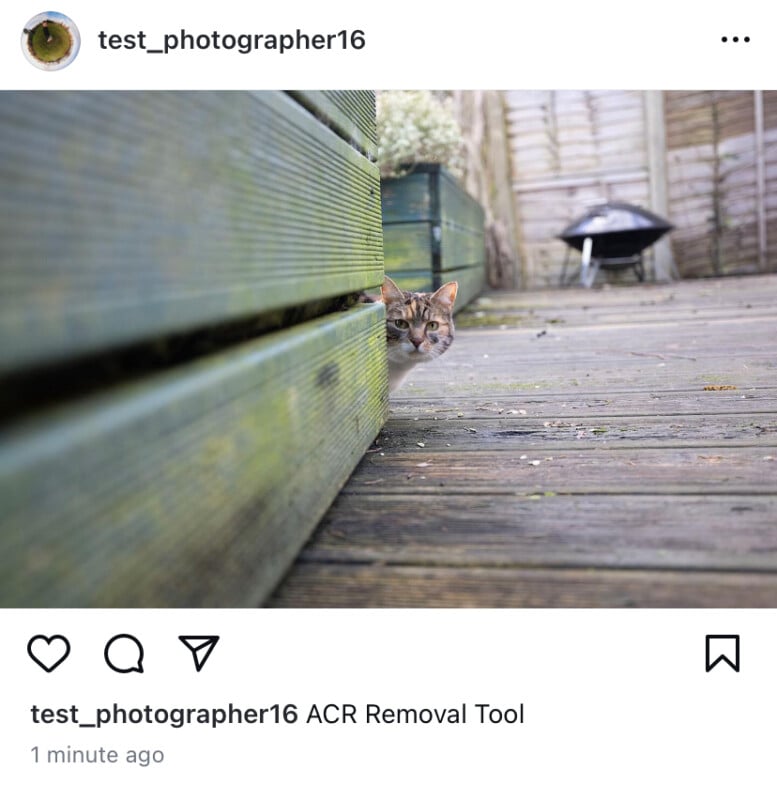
456,206
350,113
132,215
196,487
407,199
461,247
551,407
408,248
571,459
572,150
511,433
597,468
430,224
575,149
343,586
650,531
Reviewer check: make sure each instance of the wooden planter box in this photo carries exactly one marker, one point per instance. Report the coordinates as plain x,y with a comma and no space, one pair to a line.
433,233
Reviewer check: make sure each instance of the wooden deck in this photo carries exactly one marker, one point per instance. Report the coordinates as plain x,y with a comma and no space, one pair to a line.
573,448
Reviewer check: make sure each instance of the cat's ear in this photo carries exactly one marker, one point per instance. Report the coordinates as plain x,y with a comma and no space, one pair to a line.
390,292
446,295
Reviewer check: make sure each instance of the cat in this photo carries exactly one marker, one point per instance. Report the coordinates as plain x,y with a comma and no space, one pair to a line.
419,327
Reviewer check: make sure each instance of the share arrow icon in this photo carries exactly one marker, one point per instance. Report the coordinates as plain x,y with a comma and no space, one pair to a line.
201,647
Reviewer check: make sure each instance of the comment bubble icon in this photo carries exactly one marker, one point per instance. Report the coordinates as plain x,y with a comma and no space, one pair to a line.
124,653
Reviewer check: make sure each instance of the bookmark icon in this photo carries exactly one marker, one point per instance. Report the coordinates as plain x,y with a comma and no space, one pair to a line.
722,649
200,647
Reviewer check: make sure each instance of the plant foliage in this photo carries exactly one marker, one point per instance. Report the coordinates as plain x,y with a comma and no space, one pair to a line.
416,127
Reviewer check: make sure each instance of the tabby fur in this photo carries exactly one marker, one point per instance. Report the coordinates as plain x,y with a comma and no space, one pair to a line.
419,327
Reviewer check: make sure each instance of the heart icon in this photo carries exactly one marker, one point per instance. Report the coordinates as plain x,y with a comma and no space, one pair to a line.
48,652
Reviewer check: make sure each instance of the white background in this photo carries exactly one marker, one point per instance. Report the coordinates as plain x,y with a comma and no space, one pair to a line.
488,44
617,703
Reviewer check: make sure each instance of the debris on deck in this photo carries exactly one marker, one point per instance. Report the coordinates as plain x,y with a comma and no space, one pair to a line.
626,458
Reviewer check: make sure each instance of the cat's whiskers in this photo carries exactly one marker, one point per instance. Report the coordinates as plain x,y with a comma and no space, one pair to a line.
419,326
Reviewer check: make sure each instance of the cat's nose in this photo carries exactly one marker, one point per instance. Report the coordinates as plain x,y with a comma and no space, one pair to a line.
416,340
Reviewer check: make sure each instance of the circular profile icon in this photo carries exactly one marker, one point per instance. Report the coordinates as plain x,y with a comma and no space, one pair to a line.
50,40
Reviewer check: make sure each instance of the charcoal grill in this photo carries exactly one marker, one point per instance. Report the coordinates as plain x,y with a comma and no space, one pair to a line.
612,236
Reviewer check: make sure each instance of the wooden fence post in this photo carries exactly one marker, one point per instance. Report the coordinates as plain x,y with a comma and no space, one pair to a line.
665,268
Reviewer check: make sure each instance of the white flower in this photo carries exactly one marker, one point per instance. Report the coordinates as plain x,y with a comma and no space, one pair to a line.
417,127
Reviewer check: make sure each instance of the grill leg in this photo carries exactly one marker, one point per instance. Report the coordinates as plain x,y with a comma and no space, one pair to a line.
588,266
563,280
639,268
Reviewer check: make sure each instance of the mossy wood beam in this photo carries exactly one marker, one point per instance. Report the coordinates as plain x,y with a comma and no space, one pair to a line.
195,488
127,216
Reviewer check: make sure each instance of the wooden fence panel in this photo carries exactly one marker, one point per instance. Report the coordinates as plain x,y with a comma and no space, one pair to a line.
770,179
711,168
575,149
572,150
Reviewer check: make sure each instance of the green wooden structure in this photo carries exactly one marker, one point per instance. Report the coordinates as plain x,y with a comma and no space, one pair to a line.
433,233
135,226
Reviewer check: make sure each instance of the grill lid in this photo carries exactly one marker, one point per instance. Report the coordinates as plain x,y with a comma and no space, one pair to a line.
617,230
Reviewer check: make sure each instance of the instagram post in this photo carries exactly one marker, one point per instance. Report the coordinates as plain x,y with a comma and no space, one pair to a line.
183,436
361,436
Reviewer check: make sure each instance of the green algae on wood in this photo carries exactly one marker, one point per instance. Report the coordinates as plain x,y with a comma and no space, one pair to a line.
197,487
171,211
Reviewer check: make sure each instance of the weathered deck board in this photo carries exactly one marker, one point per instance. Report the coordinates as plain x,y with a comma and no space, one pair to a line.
587,466
516,433
596,469
443,587
649,531
550,406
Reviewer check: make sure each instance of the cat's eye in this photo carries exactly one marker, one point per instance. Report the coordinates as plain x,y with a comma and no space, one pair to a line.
401,323
432,326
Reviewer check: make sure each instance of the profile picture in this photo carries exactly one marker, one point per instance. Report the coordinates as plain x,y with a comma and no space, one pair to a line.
50,41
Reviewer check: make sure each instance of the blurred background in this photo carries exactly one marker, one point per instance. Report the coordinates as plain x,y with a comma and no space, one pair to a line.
704,160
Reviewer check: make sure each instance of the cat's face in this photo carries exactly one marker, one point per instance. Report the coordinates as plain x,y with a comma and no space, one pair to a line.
419,325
